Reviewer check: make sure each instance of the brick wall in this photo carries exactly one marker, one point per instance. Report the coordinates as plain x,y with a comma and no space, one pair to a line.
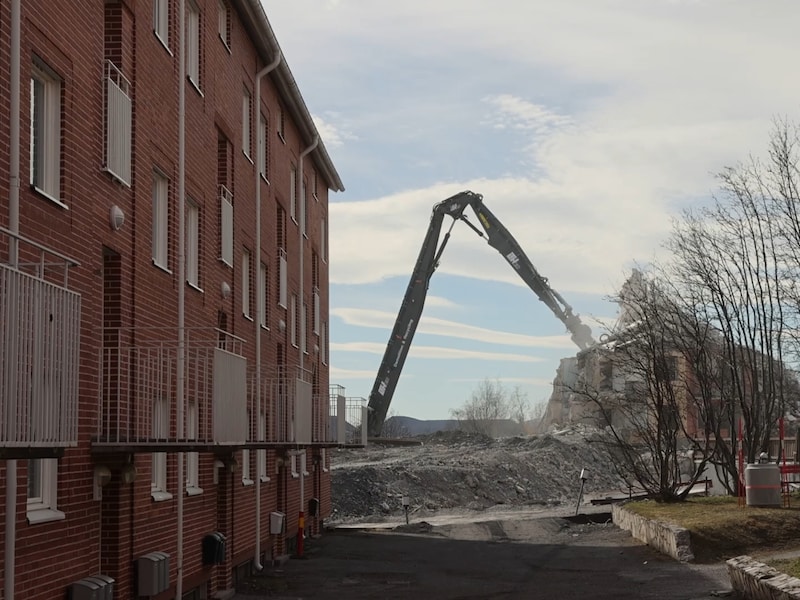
120,285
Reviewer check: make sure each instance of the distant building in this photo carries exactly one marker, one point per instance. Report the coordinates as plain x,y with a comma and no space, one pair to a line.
92,355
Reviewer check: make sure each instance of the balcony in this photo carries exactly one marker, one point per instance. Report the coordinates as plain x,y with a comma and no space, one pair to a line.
40,320
348,418
139,407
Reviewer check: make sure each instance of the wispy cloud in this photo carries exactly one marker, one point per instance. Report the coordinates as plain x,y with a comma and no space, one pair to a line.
436,352
429,325
517,113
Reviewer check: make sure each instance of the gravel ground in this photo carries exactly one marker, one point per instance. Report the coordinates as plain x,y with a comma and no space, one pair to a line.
453,472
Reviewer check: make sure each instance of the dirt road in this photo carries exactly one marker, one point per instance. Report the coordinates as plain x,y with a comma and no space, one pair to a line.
545,557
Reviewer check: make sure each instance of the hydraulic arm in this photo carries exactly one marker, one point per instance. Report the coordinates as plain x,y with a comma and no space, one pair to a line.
428,260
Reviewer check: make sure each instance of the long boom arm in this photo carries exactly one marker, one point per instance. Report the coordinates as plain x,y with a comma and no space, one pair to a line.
428,260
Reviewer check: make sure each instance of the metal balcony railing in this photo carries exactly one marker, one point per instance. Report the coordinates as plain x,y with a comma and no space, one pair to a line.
39,347
348,418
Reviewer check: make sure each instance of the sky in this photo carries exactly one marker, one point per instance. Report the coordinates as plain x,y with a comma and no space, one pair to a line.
587,126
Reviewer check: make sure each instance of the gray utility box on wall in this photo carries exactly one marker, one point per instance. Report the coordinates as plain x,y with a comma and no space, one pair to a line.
96,587
277,523
152,573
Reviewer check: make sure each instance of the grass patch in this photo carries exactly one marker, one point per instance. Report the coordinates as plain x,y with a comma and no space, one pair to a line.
721,529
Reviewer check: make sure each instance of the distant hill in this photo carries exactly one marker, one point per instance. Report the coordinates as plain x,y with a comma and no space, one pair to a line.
397,427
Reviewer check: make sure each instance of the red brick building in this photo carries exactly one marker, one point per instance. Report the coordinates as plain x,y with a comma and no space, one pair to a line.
164,391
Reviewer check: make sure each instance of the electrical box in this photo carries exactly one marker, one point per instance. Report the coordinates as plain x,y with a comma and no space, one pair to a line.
277,523
152,572
313,507
96,587
214,548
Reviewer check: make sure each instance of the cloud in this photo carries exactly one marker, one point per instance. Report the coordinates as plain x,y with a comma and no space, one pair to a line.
435,352
518,113
433,326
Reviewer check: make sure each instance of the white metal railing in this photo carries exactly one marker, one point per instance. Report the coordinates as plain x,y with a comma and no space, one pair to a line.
40,322
282,278
226,225
348,418
119,119
139,371
315,298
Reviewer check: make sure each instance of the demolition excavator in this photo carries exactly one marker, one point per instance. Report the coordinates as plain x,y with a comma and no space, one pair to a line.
410,312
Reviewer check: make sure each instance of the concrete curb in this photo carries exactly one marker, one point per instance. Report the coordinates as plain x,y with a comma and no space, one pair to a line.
757,581
668,539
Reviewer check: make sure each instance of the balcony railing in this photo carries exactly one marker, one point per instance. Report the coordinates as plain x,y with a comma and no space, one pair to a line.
138,398
39,348
348,418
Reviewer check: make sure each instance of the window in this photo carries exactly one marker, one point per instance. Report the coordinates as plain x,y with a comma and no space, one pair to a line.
315,312
263,296
193,43
323,343
282,279
323,240
43,491
246,283
304,208
247,478
226,225
160,220
323,460
246,110
263,147
293,465
160,431
223,26
303,465
293,193
192,243
304,328
281,125
314,188
161,21
261,458
45,146
118,124
192,458
293,308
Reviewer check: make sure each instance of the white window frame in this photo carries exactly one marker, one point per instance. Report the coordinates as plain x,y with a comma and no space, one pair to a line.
323,240
293,465
282,125
263,149
192,458
43,507
246,261
304,464
222,24
293,320
323,343
193,244
316,313
304,328
283,279
160,245
304,208
263,295
247,466
160,431
193,43
247,128
323,459
261,454
45,133
293,193
226,225
161,21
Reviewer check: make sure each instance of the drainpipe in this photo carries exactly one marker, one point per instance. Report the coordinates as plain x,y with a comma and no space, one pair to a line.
180,383
13,251
259,316
301,522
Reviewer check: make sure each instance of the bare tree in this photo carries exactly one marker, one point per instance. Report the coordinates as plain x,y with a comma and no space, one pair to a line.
487,405
393,427
519,407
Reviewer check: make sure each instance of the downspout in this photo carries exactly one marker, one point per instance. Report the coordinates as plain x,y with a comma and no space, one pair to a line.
302,231
180,383
259,316
13,252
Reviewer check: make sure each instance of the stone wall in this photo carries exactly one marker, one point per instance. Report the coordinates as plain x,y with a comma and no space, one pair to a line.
757,581
666,538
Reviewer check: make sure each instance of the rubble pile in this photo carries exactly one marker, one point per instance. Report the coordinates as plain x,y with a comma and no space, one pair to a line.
453,471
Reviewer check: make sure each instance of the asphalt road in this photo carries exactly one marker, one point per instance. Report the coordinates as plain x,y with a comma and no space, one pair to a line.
532,558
